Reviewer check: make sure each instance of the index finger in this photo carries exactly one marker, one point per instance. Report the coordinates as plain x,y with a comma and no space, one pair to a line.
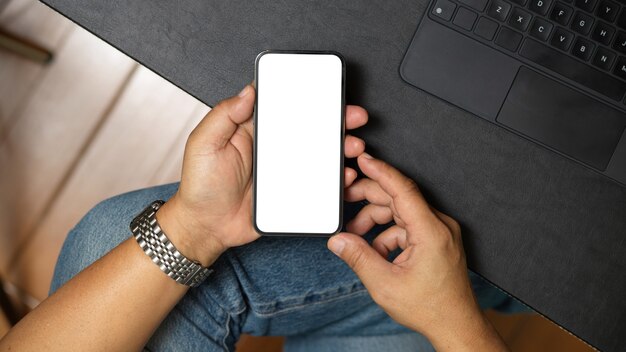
406,197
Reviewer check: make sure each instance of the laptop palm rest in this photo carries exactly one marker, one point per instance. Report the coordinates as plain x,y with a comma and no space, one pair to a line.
562,118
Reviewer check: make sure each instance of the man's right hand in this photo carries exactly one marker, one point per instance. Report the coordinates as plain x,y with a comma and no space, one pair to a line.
426,287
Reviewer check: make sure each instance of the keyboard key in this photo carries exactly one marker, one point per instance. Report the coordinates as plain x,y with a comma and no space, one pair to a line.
573,69
520,19
486,28
607,10
582,48
465,18
602,33
541,29
603,59
586,5
621,20
499,10
562,39
444,9
509,39
620,42
582,23
478,5
620,67
520,2
540,6
561,13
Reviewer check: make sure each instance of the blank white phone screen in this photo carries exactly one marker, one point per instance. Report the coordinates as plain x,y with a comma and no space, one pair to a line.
298,146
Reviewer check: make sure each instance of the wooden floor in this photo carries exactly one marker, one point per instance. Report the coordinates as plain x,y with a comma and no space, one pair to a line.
92,124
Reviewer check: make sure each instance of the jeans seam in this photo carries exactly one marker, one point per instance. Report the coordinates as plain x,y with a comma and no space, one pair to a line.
227,332
243,309
288,309
229,318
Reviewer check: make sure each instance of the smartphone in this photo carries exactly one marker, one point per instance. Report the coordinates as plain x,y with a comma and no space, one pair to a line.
298,143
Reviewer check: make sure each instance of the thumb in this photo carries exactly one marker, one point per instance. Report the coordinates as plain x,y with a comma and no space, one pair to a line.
366,262
216,129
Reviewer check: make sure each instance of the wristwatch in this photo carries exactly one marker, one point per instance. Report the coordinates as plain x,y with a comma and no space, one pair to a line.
162,252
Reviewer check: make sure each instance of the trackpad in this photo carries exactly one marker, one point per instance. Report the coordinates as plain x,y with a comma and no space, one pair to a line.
562,118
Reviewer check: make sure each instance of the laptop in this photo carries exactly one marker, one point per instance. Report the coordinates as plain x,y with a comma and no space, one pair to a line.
551,71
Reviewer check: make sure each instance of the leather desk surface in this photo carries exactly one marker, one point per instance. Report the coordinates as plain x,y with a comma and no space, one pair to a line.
543,228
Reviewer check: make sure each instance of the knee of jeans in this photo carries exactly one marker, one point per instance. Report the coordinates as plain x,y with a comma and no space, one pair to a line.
86,242
102,229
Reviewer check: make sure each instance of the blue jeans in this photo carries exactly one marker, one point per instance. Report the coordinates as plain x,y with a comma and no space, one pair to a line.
292,287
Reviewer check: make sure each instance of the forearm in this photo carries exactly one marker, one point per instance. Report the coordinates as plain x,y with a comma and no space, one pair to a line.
115,304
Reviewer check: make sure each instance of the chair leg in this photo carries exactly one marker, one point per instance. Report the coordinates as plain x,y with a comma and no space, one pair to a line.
24,47
7,307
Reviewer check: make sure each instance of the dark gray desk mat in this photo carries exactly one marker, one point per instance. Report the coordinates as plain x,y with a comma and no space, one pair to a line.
543,228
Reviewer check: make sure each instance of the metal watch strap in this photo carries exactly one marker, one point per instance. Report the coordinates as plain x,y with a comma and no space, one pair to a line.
162,252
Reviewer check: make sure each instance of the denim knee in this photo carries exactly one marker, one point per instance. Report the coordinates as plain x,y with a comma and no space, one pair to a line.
102,229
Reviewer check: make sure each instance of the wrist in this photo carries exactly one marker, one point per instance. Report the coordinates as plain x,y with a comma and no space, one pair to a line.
471,331
188,238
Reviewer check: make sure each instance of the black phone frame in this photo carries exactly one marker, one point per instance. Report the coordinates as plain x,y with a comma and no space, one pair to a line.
342,141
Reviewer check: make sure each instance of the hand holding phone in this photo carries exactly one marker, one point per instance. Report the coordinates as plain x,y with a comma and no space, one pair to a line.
212,210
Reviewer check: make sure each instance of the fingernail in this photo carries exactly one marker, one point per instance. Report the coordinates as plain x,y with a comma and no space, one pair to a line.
336,244
244,91
367,156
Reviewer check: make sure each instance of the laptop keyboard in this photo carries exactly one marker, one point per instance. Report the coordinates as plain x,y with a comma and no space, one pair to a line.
583,40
